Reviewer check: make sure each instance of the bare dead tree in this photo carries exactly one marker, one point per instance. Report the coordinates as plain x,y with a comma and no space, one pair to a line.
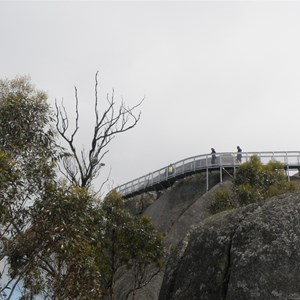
84,166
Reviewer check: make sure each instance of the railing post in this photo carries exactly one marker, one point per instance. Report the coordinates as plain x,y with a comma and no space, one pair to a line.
234,168
287,167
206,173
221,169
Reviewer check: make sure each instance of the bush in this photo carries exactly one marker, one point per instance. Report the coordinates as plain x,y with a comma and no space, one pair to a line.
223,201
255,182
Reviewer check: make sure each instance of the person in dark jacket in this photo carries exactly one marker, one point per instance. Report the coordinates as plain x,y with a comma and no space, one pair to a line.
239,154
213,156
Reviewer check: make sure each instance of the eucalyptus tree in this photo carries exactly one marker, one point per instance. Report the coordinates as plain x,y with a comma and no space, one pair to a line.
27,156
58,239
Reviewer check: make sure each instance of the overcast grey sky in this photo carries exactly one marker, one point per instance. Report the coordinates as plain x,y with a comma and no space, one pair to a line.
215,74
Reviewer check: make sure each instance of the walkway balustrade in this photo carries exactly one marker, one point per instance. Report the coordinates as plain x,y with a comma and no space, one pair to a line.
203,163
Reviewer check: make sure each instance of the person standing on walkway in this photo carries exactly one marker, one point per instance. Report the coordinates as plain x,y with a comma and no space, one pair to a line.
213,156
239,154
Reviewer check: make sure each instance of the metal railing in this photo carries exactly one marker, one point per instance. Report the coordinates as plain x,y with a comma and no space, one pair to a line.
205,162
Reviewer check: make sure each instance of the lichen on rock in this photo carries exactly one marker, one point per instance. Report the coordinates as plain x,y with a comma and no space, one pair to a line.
246,253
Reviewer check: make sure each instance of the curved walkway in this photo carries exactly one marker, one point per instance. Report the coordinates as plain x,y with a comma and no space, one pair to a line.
204,163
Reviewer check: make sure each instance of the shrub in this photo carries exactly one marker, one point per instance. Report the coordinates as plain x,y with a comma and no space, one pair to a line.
223,201
255,182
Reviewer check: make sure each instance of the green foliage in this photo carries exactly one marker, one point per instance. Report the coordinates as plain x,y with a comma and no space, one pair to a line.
128,240
26,137
75,247
57,252
27,155
27,149
223,200
8,173
25,118
57,238
256,181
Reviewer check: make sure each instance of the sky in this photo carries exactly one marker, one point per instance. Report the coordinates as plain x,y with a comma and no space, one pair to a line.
213,74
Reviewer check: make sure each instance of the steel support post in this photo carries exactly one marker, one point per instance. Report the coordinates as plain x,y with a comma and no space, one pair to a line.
221,171
206,174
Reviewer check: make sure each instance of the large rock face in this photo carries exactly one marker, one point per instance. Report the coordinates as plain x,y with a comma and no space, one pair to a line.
247,253
174,211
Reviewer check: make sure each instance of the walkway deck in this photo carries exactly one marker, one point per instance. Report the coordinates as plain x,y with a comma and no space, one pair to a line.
203,163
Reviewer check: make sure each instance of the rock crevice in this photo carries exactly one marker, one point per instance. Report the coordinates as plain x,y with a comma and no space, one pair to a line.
245,253
227,269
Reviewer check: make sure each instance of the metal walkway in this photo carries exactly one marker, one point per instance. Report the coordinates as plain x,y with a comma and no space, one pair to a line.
203,163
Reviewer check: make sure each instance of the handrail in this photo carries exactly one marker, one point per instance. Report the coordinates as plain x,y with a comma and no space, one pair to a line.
290,160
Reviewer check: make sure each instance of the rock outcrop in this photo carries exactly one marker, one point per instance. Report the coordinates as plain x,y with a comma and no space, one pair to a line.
174,211
242,254
182,207
246,253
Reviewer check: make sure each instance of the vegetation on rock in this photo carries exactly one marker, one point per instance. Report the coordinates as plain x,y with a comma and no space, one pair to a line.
254,182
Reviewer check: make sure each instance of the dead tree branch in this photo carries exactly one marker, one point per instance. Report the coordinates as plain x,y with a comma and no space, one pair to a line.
84,166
